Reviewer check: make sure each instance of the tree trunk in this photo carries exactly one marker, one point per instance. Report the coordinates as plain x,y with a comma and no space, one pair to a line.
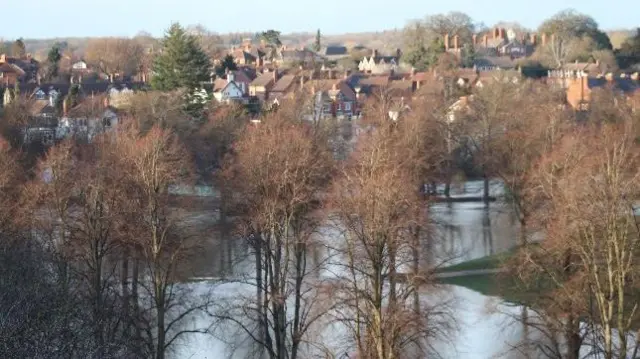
160,320
486,188
124,280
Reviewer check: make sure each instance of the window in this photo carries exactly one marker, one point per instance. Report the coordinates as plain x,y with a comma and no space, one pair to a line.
347,106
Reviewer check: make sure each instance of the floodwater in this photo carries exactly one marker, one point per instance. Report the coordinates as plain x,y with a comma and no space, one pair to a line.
463,231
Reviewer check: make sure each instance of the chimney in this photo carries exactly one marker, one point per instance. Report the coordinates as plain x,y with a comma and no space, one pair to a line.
375,53
496,33
65,107
533,39
485,40
544,39
501,33
474,38
275,75
456,40
413,71
446,42
3,58
301,81
231,76
553,38
330,74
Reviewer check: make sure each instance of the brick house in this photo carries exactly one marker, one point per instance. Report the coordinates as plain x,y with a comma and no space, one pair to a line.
27,65
332,98
581,87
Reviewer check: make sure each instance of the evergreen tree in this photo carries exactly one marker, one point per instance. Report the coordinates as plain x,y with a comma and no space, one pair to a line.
317,46
181,64
421,57
271,39
467,55
228,63
629,53
53,58
18,49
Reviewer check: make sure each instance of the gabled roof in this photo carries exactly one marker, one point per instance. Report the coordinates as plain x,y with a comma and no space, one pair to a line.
332,88
219,84
230,84
284,83
88,108
263,80
40,107
335,50
11,68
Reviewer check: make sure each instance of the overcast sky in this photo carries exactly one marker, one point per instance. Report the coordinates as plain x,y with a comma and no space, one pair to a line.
68,18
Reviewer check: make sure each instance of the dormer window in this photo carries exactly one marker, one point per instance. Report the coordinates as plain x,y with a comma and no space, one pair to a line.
40,95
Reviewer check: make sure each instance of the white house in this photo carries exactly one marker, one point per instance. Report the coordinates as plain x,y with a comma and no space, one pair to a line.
79,66
231,91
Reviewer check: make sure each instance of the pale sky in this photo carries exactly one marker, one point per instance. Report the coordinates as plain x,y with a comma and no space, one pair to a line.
73,18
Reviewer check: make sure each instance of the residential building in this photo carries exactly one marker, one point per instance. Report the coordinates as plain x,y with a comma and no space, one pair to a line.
261,86
228,90
89,118
580,87
332,98
27,64
80,66
298,56
377,64
10,74
334,52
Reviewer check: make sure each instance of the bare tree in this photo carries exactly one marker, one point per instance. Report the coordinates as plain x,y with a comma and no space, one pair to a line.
584,270
276,175
160,235
376,205
114,56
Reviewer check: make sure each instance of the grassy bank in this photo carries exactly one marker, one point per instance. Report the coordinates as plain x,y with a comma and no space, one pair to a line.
488,262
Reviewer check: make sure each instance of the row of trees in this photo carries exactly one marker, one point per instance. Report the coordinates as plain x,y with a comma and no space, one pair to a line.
577,37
